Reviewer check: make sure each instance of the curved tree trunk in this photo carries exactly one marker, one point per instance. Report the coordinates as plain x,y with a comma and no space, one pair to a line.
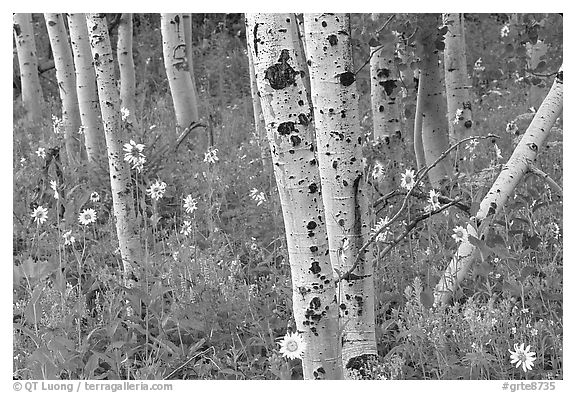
418,146
187,18
279,64
339,139
259,124
432,101
28,63
458,84
66,83
518,164
127,69
86,86
123,202
386,117
176,63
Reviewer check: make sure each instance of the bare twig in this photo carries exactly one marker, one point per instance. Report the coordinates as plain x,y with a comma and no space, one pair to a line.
538,172
419,178
377,48
413,224
186,363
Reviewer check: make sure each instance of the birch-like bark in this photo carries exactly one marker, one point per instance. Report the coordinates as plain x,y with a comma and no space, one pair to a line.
259,124
64,65
432,102
339,139
127,69
122,200
279,67
386,117
177,69
86,86
187,18
458,83
28,64
492,204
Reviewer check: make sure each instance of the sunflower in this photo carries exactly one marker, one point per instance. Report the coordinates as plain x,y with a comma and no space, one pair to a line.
460,234
292,346
40,215
408,179
522,357
87,217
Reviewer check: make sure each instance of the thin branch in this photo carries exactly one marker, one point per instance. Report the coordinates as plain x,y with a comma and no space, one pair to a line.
538,172
377,48
412,225
419,178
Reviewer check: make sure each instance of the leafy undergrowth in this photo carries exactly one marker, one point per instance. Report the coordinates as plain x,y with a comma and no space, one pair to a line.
213,294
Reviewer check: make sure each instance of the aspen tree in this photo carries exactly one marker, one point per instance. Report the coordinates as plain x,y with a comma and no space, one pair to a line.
28,64
66,83
188,39
339,139
259,124
458,83
418,145
535,53
522,158
385,100
122,200
176,64
85,85
431,100
279,68
127,69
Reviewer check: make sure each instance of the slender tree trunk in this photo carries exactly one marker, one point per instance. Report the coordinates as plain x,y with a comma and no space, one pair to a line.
516,167
188,39
66,83
259,124
123,202
386,117
339,139
418,146
127,69
177,69
458,84
86,86
28,63
432,101
279,63
535,54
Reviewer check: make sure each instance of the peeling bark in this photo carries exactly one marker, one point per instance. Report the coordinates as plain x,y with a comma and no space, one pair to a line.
66,83
279,64
28,64
86,86
339,139
177,69
122,200
516,167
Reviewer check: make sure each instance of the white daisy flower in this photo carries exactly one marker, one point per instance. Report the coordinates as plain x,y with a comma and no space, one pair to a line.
408,180
40,215
87,217
292,346
156,190
522,357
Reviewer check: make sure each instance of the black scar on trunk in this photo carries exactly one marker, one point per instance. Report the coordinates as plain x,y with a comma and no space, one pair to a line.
281,74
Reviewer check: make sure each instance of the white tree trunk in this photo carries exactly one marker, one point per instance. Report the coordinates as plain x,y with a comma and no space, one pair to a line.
418,146
176,64
279,66
259,124
386,117
123,202
187,18
511,174
86,86
28,63
339,139
66,83
458,83
432,101
536,53
127,69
